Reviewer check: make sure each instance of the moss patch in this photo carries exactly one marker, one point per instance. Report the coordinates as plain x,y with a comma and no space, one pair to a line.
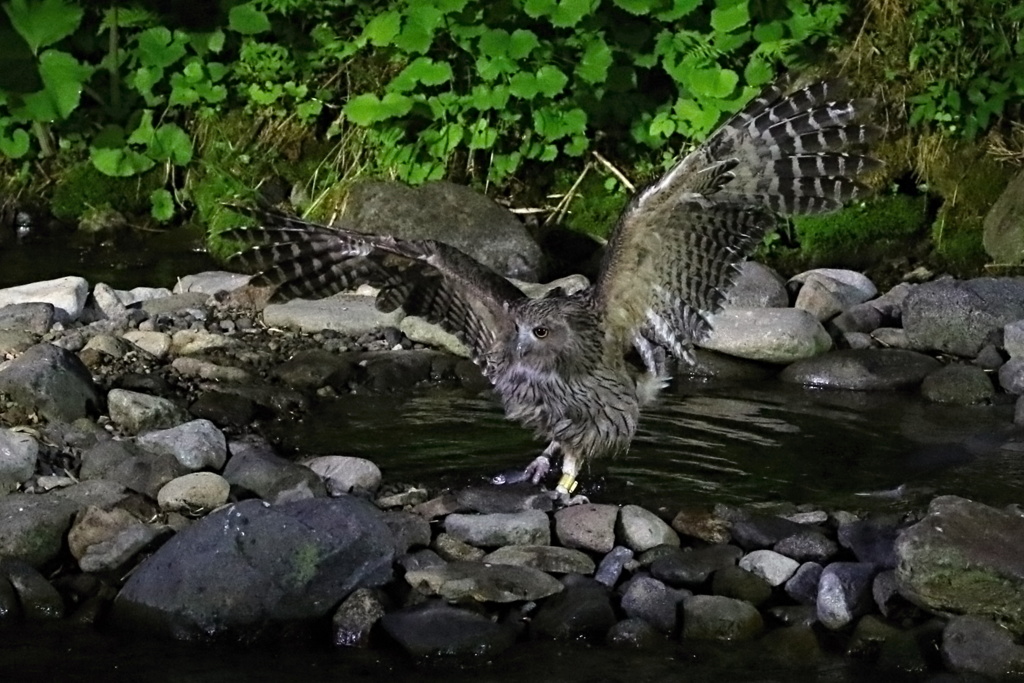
82,188
595,209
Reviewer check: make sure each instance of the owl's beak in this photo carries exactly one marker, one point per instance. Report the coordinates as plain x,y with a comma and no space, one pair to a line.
524,343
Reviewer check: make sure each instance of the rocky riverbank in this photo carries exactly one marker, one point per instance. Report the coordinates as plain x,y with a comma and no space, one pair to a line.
139,494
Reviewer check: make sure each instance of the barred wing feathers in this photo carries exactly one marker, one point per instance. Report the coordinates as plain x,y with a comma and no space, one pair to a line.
426,278
675,251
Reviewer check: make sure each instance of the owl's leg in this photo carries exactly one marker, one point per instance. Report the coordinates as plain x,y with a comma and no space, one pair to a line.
534,472
567,484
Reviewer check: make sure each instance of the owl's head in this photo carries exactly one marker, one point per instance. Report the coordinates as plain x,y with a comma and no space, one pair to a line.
550,330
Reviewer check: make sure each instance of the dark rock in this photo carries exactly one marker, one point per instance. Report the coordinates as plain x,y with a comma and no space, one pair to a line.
961,316
641,529
436,629
634,634
885,592
989,358
583,610
421,559
757,286
694,567
957,384
651,600
10,606
311,369
244,569
794,615
196,444
723,367
976,645
1011,376
454,550
871,540
19,454
793,647
963,557
610,568
451,213
530,527
346,474
458,581
803,586
844,593
223,409
487,499
356,617
808,545
703,525
1018,412
862,369
38,599
34,317
256,469
734,582
713,617
52,381
545,558
587,527
863,318
127,464
442,506
409,529
135,412
754,532
394,370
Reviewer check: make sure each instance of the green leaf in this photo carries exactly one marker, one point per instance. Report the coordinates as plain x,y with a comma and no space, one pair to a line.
678,10
483,136
758,71
158,47
484,97
309,110
63,79
143,133
16,145
522,43
597,58
561,13
524,85
383,28
120,163
730,15
769,32
636,7
495,43
421,71
248,20
367,109
551,80
162,205
43,22
662,125
712,82
171,143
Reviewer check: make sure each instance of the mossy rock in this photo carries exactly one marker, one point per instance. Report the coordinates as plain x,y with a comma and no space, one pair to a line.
82,187
595,208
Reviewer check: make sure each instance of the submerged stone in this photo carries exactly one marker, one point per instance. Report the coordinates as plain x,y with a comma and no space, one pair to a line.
436,629
713,617
545,558
483,583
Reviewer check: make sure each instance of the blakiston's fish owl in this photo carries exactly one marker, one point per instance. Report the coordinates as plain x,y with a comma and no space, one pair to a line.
565,365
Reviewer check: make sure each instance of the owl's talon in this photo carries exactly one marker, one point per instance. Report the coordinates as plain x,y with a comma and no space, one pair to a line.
564,499
534,473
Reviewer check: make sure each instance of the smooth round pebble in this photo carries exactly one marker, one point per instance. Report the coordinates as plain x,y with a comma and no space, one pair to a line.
198,490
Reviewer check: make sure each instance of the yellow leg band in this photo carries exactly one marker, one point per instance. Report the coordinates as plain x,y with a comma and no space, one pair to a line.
567,484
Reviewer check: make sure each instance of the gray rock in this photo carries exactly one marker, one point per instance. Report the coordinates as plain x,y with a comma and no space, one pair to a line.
1018,412
192,342
583,609
454,214
1003,227
885,592
696,566
409,529
194,492
435,629
713,617
157,344
757,286
38,599
773,335
114,553
634,634
346,313
755,531
211,282
191,302
212,372
587,527
52,381
612,564
892,337
844,593
125,463
651,600
15,342
824,297
1013,338
135,412
740,584
487,499
346,474
958,384
440,506
803,585
107,345
311,369
976,645
420,559
963,557
246,567
67,295
702,524
1011,376
871,540
19,452
862,369
255,468
454,550
859,318
530,527
857,286
545,558
960,317
356,617
771,566
419,330
857,340
458,581
891,303
641,529
197,444
36,317
806,546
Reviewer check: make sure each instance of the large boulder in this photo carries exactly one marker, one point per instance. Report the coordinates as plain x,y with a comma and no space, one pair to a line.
773,335
1003,226
53,381
962,316
863,369
244,569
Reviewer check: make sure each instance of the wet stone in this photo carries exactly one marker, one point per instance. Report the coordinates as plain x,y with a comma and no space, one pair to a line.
545,558
198,491
346,474
38,599
957,384
885,592
10,606
255,468
35,317
703,525
803,586
114,553
755,531
793,615
587,527
410,530
713,617
871,540
454,550
610,568
1011,376
641,529
771,566
530,527
436,629
694,567
135,412
127,464
356,617
808,545
491,499
581,610
634,634
651,600
196,445
976,645
844,593
421,559
223,409
442,506
52,381
863,369
19,452
734,582
484,583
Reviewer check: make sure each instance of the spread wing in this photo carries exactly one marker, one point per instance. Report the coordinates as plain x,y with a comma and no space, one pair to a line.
675,251
426,278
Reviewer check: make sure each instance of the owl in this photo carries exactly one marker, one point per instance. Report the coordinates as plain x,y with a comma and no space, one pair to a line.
578,368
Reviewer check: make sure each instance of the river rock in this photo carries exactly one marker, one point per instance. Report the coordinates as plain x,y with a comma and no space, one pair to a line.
127,464
871,540
773,335
244,568
696,566
703,525
641,529
346,474
19,452
409,529
857,286
311,369
958,384
356,617
135,412
211,282
1013,338
194,492
52,381
961,316
15,342
861,318
196,445
962,557
1003,227
482,582
587,527
192,304
803,585
1011,376
771,566
976,645
808,545
824,296
67,295
844,593
757,286
436,629
487,499
740,584
885,592
1018,412
448,212
582,610
892,338
634,634
862,369
255,468
757,531
651,600
714,617
419,330
545,558
38,599
351,314
157,344
453,550
34,317
530,527
108,540
193,342
612,564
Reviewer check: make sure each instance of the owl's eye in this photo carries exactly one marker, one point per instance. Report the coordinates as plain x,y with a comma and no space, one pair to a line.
540,332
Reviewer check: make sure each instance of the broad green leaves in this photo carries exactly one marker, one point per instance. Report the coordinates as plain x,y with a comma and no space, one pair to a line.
43,22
